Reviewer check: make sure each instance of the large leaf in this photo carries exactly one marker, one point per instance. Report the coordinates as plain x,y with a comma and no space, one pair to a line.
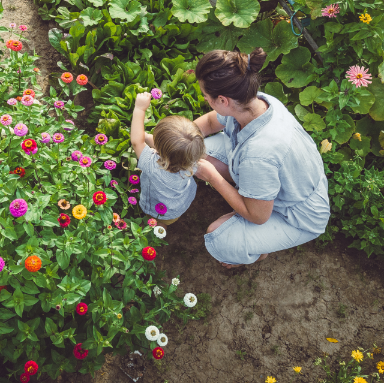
55,36
313,122
91,16
366,98
239,12
275,89
193,11
344,136
124,9
377,110
295,68
309,95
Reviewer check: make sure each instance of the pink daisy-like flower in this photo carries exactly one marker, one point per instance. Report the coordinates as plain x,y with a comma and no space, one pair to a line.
132,200
70,122
76,155
115,217
156,93
358,76
2,264
27,100
45,138
20,130
330,11
12,25
23,28
134,191
6,119
152,222
18,207
134,179
121,225
113,183
85,162
59,104
110,165
161,208
12,101
101,139
58,137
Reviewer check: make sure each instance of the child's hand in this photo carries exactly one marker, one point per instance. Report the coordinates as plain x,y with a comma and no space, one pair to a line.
142,101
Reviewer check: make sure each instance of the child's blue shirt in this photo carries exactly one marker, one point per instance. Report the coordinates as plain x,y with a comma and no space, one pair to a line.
175,190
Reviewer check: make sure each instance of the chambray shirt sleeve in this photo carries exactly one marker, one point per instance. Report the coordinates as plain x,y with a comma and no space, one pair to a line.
145,159
222,119
259,179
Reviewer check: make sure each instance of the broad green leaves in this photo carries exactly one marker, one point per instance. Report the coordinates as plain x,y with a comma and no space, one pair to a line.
124,9
91,16
193,11
377,110
239,12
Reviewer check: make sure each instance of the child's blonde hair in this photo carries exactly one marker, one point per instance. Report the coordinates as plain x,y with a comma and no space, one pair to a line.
179,143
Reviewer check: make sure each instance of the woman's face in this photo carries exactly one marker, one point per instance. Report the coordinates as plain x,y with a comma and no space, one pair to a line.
217,104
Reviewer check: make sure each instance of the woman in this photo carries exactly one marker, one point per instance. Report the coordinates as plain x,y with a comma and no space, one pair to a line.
280,198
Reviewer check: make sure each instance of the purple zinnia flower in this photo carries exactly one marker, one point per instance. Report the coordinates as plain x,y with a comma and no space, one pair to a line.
113,183
12,101
6,119
156,93
134,179
132,200
134,191
18,207
27,100
70,122
101,139
20,130
58,137
110,165
12,25
2,264
161,208
59,104
45,138
85,162
76,155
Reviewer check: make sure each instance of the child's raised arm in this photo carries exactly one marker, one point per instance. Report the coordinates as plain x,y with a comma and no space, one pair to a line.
137,128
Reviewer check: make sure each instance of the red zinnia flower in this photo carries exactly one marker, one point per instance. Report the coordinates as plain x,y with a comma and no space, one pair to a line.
16,45
64,220
79,352
24,377
82,79
121,224
18,98
99,198
82,308
67,77
20,171
29,92
31,367
158,353
148,253
9,43
29,145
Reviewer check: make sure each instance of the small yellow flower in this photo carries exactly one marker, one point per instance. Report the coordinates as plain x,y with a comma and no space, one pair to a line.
119,316
270,379
357,136
358,356
376,350
370,356
380,367
79,211
365,18
297,369
358,379
326,146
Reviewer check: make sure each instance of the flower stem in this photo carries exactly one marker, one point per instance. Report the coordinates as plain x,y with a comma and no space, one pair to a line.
9,152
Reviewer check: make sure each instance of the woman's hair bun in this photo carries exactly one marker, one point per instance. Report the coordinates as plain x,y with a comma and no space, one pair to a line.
257,59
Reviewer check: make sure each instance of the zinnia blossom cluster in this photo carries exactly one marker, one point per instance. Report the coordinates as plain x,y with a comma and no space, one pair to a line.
99,198
161,208
359,76
58,137
113,183
110,165
31,367
101,139
6,119
79,211
27,100
76,155
12,101
33,263
148,253
134,179
82,308
18,207
132,200
29,146
2,264
121,224
59,104
79,353
20,130
64,220
29,92
18,170
85,162
45,138
156,93
82,79
330,11
14,45
67,77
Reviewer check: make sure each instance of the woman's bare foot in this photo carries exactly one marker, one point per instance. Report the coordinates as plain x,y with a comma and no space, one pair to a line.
263,256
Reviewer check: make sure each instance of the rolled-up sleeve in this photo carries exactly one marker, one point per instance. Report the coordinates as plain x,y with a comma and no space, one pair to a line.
259,179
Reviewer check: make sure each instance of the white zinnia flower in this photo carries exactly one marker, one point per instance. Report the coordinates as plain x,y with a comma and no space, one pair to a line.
175,281
190,299
36,102
152,333
159,232
162,340
156,291
19,262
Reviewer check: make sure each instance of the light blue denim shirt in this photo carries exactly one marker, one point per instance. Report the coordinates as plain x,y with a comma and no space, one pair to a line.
175,190
274,158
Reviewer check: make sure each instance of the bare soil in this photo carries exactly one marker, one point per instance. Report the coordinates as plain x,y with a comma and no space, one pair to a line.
266,317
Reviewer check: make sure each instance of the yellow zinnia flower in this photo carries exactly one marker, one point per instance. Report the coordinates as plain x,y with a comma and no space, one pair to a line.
376,350
357,355
119,316
358,379
365,18
297,369
357,136
79,211
380,367
270,379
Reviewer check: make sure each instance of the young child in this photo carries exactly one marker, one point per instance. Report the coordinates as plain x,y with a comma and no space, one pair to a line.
168,168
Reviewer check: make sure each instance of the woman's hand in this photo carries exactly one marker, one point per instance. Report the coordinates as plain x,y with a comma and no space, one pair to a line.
142,101
205,170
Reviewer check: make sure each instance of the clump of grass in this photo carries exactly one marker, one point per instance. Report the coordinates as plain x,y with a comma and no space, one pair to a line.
245,287
248,316
241,354
203,307
161,366
342,311
275,349
11,8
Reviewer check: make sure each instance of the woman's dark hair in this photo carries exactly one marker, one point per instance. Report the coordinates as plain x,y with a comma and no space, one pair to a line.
226,73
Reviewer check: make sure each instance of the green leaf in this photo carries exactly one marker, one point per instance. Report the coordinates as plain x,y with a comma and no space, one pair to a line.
28,227
362,147
239,12
97,3
91,16
5,329
54,37
309,95
313,122
6,314
344,136
275,89
135,314
193,11
125,9
381,72
377,110
366,99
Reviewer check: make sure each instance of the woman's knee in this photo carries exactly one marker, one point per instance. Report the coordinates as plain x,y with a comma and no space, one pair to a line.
214,225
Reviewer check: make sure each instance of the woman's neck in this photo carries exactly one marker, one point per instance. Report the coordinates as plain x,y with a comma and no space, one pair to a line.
257,108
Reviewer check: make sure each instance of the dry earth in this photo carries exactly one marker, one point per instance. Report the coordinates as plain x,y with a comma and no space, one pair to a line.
266,317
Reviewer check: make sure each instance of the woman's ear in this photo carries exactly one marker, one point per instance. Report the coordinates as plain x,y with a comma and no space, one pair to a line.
224,101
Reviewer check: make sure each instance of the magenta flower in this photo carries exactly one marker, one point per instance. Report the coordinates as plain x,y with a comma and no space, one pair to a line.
134,191
110,165
33,151
18,207
134,179
358,76
85,162
76,155
121,224
2,264
23,28
27,100
70,122
12,25
161,208
101,139
58,137
330,11
45,138
20,130
132,200
156,93
113,183
59,104
6,119
12,101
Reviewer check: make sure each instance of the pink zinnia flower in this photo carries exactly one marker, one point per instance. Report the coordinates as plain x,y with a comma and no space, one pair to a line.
134,191
82,308
156,93
359,76
132,200
18,207
101,139
70,122
20,130
134,179
113,183
12,101
12,25
110,165
79,352
116,217
6,119
120,224
85,162
330,11
76,155
59,104
161,208
27,100
2,264
58,137
23,28
45,138
152,222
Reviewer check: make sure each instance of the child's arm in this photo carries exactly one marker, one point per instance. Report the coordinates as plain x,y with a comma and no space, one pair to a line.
137,128
149,140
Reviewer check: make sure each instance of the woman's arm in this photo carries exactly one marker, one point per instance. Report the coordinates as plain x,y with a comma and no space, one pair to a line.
253,210
208,124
